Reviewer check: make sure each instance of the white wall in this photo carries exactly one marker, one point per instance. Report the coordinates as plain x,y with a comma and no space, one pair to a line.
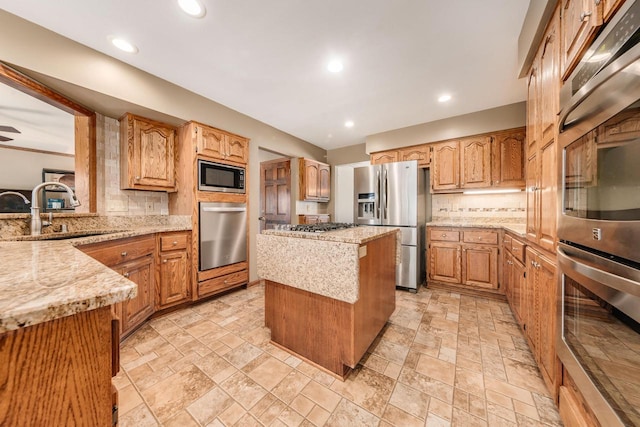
22,170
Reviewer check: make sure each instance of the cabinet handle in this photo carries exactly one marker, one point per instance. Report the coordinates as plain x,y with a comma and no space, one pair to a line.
225,281
444,234
124,254
584,15
125,274
137,178
164,261
175,243
533,188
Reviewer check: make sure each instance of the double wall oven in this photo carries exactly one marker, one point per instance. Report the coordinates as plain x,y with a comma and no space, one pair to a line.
598,339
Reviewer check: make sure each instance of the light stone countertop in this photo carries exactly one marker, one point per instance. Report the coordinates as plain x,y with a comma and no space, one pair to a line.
518,229
45,280
326,263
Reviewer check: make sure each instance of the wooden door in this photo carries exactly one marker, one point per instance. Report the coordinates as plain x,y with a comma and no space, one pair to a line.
384,157
446,166
546,290
533,123
154,155
236,149
139,308
549,100
174,286
311,180
475,162
275,193
547,201
480,266
445,262
211,142
324,182
508,159
532,198
580,22
609,8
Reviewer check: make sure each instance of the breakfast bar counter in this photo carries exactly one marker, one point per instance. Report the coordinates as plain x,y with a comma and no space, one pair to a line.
328,295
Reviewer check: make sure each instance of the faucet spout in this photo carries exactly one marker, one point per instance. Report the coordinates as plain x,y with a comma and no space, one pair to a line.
15,193
36,222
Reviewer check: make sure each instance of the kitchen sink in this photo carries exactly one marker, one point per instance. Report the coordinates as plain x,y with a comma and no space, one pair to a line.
67,235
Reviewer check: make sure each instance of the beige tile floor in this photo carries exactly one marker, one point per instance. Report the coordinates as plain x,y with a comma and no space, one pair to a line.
443,359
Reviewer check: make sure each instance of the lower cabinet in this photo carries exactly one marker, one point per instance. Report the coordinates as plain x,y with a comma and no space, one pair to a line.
220,279
313,219
465,257
173,283
136,310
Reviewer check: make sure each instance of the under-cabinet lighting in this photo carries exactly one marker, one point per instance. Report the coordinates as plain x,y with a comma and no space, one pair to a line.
496,191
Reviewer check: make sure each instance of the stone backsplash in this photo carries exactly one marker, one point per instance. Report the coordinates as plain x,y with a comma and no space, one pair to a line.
512,206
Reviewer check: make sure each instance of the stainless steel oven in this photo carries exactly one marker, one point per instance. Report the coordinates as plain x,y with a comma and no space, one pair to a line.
598,339
223,234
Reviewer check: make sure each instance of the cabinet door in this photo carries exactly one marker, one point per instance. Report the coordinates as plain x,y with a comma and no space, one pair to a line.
420,153
446,164
518,282
509,155
581,169
532,198
547,198
609,8
532,108
532,319
475,162
211,142
384,157
324,182
622,127
507,276
546,291
236,149
580,21
311,180
147,154
174,286
480,266
139,308
445,263
549,101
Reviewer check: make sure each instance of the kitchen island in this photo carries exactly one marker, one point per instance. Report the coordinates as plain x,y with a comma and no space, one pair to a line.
328,295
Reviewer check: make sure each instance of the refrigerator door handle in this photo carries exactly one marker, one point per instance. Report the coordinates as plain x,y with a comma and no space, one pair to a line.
386,194
379,197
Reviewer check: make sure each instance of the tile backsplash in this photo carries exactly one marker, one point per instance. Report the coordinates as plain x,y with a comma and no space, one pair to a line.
512,205
111,199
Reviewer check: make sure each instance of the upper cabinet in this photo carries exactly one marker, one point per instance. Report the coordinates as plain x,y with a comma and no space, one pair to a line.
220,145
609,7
315,181
384,157
421,153
482,161
147,154
580,22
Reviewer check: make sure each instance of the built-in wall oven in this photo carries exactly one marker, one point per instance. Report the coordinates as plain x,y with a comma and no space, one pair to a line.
223,234
598,338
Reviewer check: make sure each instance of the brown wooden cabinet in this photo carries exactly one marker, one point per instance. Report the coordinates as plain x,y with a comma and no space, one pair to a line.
173,283
220,145
147,154
475,162
515,277
609,7
134,259
445,173
313,219
464,257
314,181
508,161
384,157
421,153
541,318
580,22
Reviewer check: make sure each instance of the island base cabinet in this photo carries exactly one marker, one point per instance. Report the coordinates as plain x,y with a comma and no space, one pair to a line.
58,373
331,333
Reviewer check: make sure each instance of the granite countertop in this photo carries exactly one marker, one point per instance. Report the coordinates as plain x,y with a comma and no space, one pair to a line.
326,263
44,280
518,229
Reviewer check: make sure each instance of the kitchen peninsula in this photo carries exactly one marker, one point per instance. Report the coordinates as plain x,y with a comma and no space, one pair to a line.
328,295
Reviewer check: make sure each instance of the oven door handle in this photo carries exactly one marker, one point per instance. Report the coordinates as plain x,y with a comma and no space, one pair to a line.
224,209
570,263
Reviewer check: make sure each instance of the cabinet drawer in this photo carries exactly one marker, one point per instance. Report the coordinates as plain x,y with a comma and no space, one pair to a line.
483,237
517,249
507,242
119,251
222,282
170,242
438,235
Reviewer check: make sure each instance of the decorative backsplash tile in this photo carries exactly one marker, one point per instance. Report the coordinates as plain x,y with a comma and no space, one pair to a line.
512,205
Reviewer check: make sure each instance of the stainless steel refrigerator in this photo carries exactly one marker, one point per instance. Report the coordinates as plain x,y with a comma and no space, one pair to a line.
393,194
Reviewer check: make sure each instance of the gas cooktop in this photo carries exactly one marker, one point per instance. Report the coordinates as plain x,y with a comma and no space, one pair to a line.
322,227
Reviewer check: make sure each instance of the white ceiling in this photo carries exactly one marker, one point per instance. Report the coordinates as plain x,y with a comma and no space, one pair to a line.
267,59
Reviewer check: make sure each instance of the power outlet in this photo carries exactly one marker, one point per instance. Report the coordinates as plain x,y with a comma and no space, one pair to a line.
149,207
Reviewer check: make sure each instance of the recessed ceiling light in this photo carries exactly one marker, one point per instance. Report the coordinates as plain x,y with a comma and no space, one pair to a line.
348,124
335,66
123,45
444,98
192,8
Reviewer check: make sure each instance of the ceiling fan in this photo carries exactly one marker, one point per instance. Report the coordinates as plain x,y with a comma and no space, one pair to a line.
9,129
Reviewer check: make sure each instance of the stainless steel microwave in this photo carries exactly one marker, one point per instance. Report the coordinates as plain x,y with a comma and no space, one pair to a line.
220,177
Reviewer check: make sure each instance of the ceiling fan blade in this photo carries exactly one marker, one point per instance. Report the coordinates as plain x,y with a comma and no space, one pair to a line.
9,129
5,139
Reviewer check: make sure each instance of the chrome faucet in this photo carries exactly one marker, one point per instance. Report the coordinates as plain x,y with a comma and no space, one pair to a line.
36,222
15,193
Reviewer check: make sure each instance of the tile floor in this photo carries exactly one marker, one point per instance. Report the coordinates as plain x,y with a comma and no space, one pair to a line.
443,359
